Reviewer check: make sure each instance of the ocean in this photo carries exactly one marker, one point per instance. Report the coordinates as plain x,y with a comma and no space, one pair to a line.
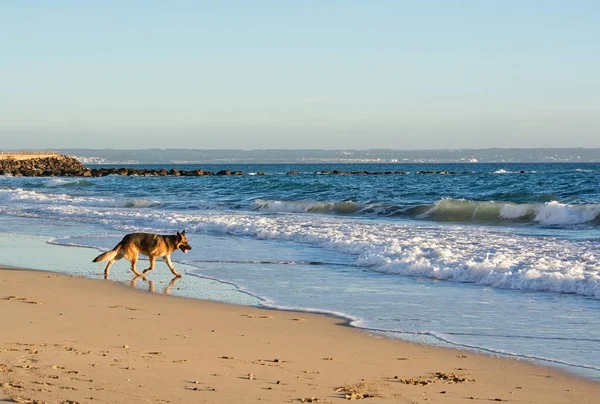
497,258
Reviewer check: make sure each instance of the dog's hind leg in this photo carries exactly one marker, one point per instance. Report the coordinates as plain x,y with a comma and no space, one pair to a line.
167,259
133,260
112,261
108,267
152,259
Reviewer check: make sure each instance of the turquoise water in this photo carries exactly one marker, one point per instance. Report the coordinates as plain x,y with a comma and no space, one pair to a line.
501,258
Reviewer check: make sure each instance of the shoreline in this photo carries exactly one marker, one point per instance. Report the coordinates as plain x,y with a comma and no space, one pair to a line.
73,338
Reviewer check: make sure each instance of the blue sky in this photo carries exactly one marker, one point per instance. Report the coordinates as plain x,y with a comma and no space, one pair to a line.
300,74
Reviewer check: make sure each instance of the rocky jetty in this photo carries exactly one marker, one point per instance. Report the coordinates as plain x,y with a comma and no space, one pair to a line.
67,166
64,166
163,172
339,172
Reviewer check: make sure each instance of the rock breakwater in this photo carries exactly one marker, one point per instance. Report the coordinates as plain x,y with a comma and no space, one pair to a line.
67,166
64,166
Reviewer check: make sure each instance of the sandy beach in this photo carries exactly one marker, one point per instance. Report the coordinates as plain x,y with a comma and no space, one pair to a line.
67,339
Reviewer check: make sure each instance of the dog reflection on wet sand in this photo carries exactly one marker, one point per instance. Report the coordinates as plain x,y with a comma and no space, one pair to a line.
151,289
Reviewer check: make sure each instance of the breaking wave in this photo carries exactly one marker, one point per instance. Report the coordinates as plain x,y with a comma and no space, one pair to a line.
61,182
551,213
344,208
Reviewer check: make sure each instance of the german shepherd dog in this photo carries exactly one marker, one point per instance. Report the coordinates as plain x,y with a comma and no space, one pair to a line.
152,245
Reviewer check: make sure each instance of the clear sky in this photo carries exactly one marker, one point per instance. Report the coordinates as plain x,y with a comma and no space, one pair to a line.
299,74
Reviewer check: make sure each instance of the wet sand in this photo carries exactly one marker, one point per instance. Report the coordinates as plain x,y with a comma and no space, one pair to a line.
67,339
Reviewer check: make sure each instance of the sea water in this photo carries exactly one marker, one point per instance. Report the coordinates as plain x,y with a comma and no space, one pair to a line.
497,258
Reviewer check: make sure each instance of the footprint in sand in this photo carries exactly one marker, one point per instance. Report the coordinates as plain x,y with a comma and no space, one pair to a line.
255,316
24,400
21,299
12,385
42,383
310,400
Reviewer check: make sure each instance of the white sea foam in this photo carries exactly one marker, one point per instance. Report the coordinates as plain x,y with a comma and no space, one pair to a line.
560,213
552,213
515,211
20,195
502,171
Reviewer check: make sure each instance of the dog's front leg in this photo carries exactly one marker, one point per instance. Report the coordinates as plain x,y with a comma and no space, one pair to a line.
167,259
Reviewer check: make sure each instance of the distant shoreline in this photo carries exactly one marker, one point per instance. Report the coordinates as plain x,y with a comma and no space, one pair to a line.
32,165
317,156
330,163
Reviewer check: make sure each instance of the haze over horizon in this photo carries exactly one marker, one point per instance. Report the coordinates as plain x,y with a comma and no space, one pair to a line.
300,75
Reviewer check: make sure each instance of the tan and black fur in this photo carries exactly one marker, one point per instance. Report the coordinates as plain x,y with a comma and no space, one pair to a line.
152,245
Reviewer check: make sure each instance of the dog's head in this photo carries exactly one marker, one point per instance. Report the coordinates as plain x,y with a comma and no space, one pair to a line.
182,242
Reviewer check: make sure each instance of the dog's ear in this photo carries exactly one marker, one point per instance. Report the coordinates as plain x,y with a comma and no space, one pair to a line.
183,233
178,235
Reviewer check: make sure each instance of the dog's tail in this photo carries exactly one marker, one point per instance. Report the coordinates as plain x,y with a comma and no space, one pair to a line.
108,255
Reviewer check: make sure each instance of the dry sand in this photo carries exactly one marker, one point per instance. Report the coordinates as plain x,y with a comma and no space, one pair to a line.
67,339
26,155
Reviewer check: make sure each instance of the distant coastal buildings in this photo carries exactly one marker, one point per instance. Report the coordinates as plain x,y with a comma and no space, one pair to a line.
91,160
102,160
316,156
